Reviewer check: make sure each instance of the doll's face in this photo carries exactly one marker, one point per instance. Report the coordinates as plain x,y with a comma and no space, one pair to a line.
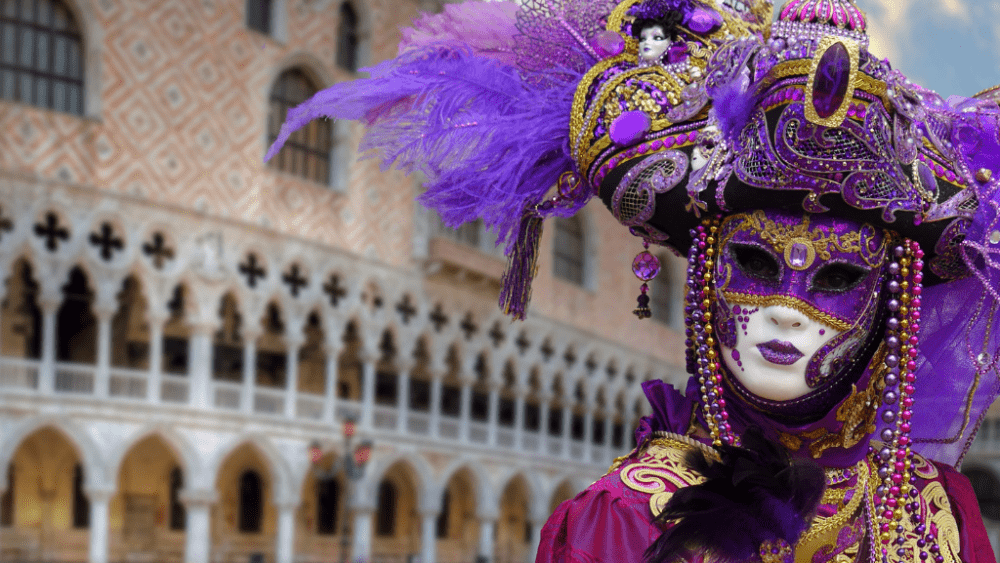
653,42
797,298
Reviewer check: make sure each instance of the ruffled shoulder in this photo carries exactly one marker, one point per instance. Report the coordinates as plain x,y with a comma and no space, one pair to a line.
612,520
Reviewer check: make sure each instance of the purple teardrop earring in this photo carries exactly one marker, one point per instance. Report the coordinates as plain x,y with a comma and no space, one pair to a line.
645,267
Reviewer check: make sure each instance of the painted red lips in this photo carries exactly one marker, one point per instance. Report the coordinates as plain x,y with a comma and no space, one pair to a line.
778,352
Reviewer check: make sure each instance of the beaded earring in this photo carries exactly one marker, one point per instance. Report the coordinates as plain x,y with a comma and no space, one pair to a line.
645,267
703,353
897,495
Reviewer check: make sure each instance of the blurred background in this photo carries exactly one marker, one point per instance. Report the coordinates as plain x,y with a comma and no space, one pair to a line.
204,358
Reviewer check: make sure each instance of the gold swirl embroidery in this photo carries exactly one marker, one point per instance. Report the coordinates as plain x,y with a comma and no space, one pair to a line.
660,471
947,529
824,531
923,468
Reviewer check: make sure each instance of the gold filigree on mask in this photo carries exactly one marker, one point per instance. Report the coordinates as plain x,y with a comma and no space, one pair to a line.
752,300
800,245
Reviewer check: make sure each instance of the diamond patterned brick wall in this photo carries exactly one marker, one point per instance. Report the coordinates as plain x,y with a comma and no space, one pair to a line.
185,88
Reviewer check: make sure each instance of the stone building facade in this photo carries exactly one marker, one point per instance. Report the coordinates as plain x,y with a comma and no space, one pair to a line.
182,325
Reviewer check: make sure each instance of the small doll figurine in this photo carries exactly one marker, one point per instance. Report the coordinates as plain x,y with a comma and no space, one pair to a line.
658,37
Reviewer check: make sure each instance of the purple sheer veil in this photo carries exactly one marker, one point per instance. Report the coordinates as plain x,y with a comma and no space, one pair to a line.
958,371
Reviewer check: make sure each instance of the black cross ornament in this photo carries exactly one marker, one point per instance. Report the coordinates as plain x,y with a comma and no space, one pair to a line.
406,309
569,357
468,326
496,334
334,290
106,241
546,350
523,343
51,231
591,364
438,318
157,250
5,223
252,270
295,280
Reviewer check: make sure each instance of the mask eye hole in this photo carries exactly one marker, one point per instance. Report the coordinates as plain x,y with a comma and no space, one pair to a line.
755,263
837,277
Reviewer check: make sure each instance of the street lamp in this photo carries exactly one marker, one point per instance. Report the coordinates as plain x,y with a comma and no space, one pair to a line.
352,464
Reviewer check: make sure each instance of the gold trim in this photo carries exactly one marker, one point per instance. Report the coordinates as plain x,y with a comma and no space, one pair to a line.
748,299
661,471
823,532
853,50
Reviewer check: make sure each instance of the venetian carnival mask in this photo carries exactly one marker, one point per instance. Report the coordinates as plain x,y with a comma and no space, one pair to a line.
797,297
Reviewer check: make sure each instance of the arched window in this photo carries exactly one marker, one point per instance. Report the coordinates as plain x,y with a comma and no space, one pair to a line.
41,55
569,250
307,152
661,295
327,497
251,505
81,504
178,514
259,15
347,38
76,324
385,523
7,500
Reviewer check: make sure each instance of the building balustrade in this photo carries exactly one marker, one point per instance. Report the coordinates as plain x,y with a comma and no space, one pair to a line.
22,376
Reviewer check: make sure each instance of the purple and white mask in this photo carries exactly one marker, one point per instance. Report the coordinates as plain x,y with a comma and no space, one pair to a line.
797,297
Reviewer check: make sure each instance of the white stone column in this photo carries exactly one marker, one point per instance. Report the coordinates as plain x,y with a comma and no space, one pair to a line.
197,529
403,395
519,418
567,427
428,536
487,529
609,448
493,419
154,384
284,542
249,383
465,414
361,541
543,421
536,538
47,369
294,340
437,382
100,499
201,365
368,390
102,372
588,432
332,351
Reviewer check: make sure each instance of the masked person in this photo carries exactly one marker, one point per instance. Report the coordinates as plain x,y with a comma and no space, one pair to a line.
841,229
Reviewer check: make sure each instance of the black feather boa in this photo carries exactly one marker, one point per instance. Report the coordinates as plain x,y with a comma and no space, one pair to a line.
757,493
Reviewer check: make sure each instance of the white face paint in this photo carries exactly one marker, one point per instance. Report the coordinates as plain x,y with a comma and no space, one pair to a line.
772,352
653,42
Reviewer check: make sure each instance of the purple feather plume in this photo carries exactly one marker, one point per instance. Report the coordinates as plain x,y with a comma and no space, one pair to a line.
488,28
484,137
732,103
755,494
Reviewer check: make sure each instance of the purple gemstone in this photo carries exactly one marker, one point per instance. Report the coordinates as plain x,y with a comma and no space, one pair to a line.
629,127
677,53
703,21
797,258
608,43
645,266
832,78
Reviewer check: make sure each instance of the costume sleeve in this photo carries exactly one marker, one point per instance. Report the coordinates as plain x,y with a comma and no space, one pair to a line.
975,542
605,523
